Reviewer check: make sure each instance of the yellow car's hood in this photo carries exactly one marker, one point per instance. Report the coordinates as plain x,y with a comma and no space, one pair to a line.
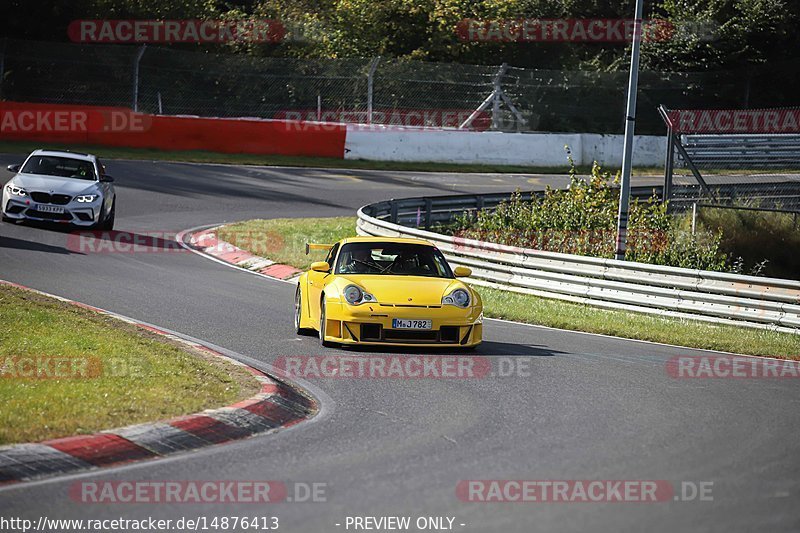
405,290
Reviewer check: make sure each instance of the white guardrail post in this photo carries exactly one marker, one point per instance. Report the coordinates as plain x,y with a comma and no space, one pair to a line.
716,297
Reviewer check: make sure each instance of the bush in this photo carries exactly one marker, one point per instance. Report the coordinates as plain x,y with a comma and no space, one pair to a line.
761,242
582,219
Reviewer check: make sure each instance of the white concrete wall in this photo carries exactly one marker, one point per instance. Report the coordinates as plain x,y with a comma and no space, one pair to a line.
648,150
535,149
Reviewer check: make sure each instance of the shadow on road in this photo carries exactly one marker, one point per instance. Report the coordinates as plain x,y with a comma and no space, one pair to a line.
120,241
20,244
485,349
84,241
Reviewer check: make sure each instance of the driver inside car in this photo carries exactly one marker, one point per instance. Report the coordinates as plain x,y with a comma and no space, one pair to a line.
359,262
84,171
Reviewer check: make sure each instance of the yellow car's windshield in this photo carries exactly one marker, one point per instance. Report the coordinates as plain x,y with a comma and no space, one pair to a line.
398,259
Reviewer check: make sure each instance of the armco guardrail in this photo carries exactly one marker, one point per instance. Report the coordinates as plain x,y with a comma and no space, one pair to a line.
679,292
766,151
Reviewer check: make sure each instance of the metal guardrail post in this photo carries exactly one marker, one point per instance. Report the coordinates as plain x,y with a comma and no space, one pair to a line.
669,165
478,206
428,209
393,211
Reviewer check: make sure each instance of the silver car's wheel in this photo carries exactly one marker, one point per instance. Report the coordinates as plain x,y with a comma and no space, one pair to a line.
108,223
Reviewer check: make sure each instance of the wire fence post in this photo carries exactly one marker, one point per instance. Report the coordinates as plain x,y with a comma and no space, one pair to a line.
497,96
136,61
370,82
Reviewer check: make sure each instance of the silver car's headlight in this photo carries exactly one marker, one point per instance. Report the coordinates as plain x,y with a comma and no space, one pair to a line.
13,190
87,198
458,297
354,295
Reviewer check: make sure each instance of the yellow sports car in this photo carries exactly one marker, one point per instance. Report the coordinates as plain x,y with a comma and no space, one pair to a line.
377,290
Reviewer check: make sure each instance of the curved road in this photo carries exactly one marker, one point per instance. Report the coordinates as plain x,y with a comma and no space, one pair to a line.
578,407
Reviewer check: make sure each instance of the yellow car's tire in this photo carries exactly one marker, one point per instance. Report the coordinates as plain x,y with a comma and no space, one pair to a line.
322,341
298,308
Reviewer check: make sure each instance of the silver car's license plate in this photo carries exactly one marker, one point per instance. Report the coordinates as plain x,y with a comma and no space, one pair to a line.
50,208
402,323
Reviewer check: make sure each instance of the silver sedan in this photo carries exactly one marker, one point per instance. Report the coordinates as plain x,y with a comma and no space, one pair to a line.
60,186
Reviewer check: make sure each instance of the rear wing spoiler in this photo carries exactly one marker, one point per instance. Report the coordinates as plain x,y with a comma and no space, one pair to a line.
315,246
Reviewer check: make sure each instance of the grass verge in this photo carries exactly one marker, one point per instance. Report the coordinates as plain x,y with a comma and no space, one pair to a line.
93,372
198,156
282,240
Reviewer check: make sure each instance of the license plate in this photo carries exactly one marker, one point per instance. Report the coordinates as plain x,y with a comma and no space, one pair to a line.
50,208
401,323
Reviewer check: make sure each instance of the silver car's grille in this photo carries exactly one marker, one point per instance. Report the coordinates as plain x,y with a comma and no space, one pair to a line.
45,198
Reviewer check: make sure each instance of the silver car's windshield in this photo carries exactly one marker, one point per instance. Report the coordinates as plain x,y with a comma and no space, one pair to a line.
65,167
404,259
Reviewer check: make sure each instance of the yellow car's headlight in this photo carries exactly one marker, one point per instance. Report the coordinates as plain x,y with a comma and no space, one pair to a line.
354,295
458,297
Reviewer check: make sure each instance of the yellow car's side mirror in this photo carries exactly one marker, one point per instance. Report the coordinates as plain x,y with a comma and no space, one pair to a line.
462,272
320,266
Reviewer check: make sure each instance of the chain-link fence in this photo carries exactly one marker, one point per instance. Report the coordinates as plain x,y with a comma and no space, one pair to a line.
371,90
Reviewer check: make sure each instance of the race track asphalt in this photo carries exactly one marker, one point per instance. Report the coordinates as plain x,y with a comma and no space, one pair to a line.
579,407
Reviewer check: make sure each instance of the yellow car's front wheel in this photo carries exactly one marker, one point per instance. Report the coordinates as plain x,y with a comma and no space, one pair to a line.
298,309
322,321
